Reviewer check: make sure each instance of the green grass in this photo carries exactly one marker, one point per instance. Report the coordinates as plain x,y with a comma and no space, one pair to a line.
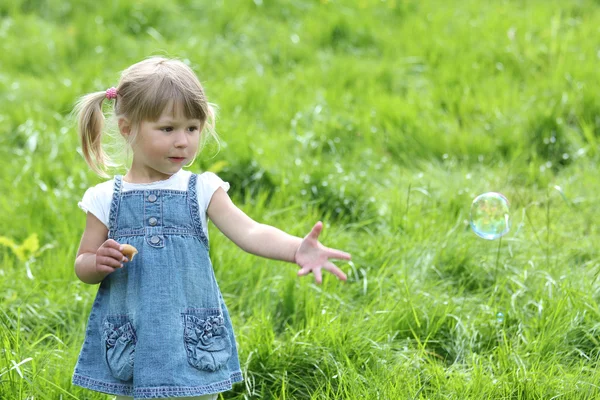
382,118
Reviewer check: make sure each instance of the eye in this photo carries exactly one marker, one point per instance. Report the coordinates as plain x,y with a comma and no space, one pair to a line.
192,128
166,128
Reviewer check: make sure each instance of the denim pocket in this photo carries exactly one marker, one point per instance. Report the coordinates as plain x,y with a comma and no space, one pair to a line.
119,344
206,338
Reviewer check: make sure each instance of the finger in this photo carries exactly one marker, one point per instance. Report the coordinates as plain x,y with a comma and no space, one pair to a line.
105,269
112,253
112,262
112,244
318,275
304,271
331,267
338,254
316,231
108,261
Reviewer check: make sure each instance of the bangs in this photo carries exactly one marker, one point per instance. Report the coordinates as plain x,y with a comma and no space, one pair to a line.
169,95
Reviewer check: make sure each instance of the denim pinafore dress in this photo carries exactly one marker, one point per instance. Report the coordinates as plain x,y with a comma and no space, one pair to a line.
159,326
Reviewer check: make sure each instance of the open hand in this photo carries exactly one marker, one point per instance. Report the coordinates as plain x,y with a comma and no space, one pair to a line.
312,256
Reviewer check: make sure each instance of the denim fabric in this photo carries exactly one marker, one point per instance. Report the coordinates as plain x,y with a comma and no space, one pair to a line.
204,397
159,327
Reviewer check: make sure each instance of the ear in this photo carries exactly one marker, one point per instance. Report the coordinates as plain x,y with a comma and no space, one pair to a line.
124,127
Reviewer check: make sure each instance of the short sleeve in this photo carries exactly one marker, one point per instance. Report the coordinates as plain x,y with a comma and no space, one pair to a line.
208,183
96,200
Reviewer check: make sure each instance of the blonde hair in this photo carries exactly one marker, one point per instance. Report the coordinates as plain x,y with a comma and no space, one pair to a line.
144,91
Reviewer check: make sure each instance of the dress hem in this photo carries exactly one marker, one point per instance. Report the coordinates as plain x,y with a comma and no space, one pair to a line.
155,392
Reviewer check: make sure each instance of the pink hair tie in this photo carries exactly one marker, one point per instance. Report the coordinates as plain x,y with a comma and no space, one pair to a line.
111,93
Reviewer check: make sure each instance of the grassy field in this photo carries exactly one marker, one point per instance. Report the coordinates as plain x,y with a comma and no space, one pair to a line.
384,119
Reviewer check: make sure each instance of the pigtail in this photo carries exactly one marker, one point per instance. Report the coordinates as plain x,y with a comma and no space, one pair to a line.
90,123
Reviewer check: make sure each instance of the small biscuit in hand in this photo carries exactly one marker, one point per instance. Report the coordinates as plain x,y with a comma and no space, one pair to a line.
129,251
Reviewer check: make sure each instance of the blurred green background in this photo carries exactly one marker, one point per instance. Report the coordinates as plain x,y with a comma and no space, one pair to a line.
384,119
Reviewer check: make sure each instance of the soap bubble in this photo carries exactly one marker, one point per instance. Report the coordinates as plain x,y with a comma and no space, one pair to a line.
490,218
500,318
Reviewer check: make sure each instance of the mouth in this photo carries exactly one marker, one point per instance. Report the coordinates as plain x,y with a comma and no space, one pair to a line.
177,159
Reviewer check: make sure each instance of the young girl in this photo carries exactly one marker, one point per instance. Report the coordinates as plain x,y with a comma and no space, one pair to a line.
159,327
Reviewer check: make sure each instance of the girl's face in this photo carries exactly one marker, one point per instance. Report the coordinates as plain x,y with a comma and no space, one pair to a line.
161,148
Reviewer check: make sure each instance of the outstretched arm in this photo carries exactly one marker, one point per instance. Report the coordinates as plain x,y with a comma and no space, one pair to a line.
270,242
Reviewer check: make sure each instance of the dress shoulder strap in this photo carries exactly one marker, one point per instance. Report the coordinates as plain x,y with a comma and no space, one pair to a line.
114,206
195,209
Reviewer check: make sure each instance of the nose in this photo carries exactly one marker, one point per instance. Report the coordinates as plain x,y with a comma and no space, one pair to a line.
181,140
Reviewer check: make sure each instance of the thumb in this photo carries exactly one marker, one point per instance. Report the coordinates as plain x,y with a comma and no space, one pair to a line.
316,231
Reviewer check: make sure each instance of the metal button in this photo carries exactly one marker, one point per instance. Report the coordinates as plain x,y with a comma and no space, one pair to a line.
152,198
154,239
152,221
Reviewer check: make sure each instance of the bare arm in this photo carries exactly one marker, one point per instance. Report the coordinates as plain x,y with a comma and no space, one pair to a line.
97,256
267,241
259,239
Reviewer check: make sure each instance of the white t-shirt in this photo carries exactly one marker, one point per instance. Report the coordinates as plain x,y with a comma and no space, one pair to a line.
97,199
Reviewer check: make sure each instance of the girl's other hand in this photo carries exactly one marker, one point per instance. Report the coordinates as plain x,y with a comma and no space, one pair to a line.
312,256
109,257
